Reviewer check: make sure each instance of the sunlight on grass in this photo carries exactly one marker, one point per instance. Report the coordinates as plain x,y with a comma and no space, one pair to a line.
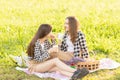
99,20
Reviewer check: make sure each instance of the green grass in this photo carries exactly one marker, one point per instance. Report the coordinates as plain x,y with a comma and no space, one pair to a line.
19,20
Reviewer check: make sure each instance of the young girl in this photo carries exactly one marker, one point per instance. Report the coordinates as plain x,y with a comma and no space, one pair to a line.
39,51
74,41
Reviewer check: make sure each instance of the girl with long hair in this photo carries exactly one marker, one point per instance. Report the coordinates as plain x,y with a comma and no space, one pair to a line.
74,42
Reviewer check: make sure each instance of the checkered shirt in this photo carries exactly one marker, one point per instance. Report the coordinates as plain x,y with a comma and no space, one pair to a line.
79,45
40,54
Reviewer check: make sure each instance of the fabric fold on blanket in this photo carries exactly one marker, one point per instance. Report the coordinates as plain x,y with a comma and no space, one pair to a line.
107,63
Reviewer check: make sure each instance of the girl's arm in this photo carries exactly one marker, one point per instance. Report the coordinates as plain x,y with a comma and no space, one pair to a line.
40,54
84,49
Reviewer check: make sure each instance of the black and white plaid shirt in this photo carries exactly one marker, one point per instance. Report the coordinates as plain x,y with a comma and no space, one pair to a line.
79,45
41,54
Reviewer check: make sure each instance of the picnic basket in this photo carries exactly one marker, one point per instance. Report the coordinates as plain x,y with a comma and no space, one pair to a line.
90,64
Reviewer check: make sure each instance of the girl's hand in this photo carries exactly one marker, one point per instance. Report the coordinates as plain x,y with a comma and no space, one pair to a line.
87,59
52,36
53,49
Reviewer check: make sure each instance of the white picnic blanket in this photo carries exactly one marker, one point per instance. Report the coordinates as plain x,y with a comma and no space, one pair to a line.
105,63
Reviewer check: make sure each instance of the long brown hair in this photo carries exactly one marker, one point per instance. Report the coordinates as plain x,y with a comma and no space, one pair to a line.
42,31
73,27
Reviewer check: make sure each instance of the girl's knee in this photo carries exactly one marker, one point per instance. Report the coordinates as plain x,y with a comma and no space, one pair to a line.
56,59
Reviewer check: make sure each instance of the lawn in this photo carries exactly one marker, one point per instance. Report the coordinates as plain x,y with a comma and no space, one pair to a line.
19,20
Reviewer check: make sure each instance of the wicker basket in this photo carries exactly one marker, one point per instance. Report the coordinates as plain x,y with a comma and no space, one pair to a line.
90,64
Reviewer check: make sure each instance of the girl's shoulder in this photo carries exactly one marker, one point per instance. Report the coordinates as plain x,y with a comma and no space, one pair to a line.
80,33
37,42
64,35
